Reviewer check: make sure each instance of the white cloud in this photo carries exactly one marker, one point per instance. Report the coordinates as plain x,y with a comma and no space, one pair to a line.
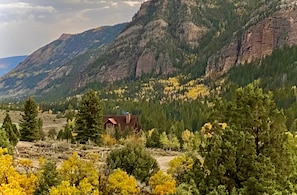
22,8
114,3
22,11
27,25
132,3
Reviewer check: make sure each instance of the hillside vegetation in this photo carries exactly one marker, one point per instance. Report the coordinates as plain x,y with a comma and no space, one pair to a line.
244,147
177,38
212,85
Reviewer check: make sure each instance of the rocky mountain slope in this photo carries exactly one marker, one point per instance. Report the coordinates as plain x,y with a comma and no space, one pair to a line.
165,37
257,41
7,64
56,60
168,37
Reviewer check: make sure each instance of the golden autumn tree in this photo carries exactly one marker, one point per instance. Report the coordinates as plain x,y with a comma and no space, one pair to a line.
119,182
162,183
191,141
108,140
65,189
181,167
11,181
78,175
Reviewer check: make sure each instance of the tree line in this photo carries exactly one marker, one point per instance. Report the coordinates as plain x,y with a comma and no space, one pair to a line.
244,148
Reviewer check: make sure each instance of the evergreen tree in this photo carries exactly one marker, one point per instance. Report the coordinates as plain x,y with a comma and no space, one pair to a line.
153,139
134,160
52,133
4,141
47,177
67,133
250,154
89,122
255,112
11,130
39,126
60,135
231,162
29,122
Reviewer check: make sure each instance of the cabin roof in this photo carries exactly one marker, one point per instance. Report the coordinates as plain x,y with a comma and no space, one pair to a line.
121,121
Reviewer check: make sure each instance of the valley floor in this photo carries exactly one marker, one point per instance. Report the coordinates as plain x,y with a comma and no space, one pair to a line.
60,151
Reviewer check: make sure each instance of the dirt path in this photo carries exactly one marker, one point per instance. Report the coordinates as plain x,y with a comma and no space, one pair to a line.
163,161
34,151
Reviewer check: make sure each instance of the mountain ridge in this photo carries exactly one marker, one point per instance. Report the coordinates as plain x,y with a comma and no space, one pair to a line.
52,61
186,27
196,38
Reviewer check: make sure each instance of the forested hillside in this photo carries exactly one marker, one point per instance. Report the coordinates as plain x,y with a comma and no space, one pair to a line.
275,73
243,147
209,84
193,39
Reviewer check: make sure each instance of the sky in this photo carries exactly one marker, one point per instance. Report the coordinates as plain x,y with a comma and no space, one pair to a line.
27,25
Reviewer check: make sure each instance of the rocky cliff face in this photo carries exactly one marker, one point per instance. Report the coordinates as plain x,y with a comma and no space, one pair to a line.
149,44
164,33
257,42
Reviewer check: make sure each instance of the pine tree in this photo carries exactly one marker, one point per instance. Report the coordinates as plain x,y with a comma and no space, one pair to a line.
52,133
231,162
164,140
67,133
153,139
89,124
134,160
11,130
250,154
29,122
39,126
4,141
47,177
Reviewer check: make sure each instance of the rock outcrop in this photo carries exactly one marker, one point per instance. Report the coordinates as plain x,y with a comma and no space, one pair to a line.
150,43
257,42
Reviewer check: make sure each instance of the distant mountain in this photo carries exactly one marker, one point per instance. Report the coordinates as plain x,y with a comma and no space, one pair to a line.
62,57
7,64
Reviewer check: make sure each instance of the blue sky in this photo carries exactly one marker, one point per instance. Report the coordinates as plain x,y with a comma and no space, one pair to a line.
26,25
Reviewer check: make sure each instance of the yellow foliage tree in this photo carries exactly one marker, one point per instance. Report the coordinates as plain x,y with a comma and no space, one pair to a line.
207,130
119,182
81,175
180,165
162,183
108,140
169,142
191,141
11,181
197,90
64,189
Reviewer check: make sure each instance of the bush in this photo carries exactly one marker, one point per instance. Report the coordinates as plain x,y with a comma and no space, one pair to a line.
52,133
134,160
